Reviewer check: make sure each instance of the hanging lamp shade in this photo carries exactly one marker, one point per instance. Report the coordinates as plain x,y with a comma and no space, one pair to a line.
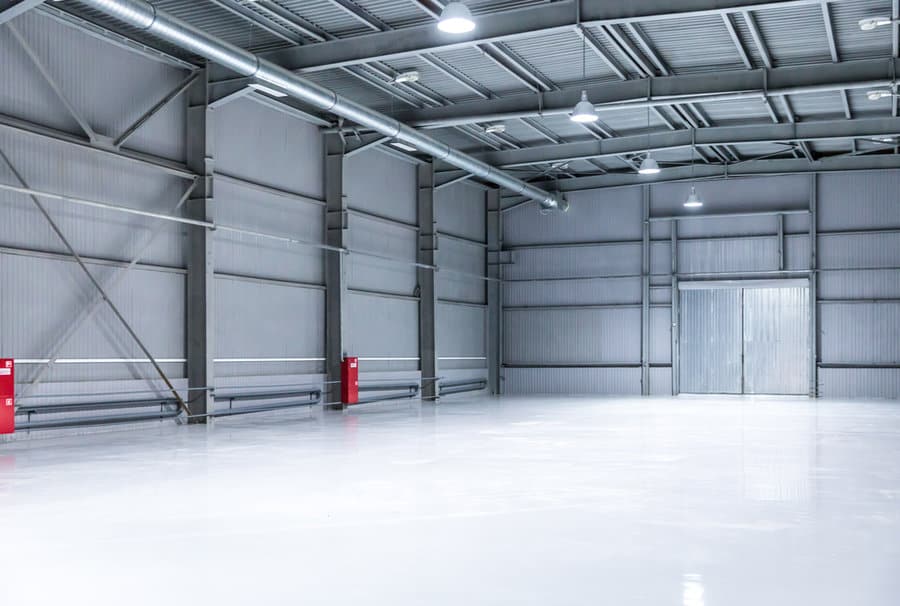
584,110
649,166
693,200
456,18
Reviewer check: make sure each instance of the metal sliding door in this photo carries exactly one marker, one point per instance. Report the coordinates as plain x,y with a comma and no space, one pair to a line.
711,340
747,337
776,340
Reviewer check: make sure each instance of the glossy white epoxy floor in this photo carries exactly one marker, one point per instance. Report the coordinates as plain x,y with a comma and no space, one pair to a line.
551,501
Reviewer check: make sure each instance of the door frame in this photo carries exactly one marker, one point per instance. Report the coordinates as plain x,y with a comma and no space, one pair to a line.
728,284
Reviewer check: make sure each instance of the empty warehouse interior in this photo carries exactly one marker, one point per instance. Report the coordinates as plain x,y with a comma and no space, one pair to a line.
440,302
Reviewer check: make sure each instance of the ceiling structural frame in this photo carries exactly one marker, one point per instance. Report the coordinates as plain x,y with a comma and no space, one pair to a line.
545,18
377,75
643,71
146,18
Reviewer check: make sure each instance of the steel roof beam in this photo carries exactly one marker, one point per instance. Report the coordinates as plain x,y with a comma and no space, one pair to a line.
10,9
668,90
506,25
826,130
747,168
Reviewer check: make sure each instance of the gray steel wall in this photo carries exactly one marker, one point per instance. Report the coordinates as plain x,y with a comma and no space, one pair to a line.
42,292
270,300
383,320
572,315
462,307
269,295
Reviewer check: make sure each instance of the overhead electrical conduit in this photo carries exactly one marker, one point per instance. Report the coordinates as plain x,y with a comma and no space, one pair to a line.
146,17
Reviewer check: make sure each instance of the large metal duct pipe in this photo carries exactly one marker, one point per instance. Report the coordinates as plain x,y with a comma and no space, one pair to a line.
146,17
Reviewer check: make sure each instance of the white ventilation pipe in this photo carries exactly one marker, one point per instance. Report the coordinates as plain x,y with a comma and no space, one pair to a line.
145,17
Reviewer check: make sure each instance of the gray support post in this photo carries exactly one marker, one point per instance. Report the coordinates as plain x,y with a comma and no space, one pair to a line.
427,280
813,288
200,310
780,218
645,294
676,324
336,226
494,228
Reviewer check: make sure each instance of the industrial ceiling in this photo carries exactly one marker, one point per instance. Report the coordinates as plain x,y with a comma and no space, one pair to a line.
709,87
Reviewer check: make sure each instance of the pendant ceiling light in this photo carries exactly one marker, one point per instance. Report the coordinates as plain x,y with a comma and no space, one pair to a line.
584,110
693,200
456,18
649,166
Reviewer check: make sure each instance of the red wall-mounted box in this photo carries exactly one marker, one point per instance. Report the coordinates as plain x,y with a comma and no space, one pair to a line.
7,395
350,380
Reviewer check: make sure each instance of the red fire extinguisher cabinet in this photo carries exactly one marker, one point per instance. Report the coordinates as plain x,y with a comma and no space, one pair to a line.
7,395
350,380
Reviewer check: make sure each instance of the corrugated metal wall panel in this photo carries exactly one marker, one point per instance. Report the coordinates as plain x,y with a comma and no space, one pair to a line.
581,292
796,252
562,381
388,240
595,216
248,255
859,201
381,184
461,335
461,256
460,210
859,383
573,336
776,341
723,256
266,146
606,260
859,284
861,333
379,327
710,339
110,90
256,320
43,297
860,251
714,228
368,273
92,231
661,335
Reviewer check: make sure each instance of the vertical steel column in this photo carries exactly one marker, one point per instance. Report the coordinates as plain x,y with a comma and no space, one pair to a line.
676,365
336,226
645,294
200,311
427,280
780,242
494,227
813,287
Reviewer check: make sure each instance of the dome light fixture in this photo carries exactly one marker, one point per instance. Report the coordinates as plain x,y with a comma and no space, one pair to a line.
584,111
871,23
877,95
693,200
407,77
649,166
456,18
